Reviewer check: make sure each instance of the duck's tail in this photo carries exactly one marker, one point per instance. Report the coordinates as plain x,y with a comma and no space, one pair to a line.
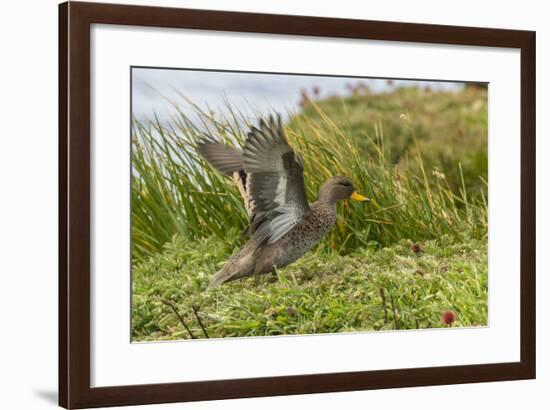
241,264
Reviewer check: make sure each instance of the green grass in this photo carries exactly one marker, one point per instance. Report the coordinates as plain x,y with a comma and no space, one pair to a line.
421,155
174,191
323,292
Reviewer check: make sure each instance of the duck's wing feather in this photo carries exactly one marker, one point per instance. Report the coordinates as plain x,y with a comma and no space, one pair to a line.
224,158
275,182
229,161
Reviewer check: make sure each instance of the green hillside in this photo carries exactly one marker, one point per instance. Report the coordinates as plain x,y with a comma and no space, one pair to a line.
451,127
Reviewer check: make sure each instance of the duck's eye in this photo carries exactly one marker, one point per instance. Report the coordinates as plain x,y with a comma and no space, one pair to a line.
345,184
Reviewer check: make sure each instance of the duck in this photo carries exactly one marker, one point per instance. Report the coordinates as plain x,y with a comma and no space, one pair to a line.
283,225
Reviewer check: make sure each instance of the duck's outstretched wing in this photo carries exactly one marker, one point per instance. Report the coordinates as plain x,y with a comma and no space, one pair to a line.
224,158
275,182
229,161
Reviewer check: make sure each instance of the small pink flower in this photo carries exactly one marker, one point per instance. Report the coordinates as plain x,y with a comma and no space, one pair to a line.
448,318
316,91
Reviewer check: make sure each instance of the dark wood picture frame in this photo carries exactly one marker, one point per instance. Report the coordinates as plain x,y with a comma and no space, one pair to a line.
75,20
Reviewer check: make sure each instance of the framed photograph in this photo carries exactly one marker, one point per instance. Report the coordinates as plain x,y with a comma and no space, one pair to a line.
256,205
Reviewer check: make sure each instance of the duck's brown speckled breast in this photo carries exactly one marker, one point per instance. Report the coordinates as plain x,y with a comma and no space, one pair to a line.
305,235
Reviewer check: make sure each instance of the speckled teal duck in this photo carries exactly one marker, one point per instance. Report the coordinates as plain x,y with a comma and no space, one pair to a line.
283,225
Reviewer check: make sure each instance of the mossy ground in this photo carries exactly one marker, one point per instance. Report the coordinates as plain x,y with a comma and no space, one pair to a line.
391,288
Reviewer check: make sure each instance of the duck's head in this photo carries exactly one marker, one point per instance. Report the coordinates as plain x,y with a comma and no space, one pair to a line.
338,188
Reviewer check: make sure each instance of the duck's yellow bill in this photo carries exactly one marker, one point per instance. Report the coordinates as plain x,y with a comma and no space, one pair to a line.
358,197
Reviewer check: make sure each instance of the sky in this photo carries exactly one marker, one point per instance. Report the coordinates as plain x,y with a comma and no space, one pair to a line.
156,90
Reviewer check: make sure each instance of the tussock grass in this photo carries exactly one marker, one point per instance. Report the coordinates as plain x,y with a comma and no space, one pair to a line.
174,191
